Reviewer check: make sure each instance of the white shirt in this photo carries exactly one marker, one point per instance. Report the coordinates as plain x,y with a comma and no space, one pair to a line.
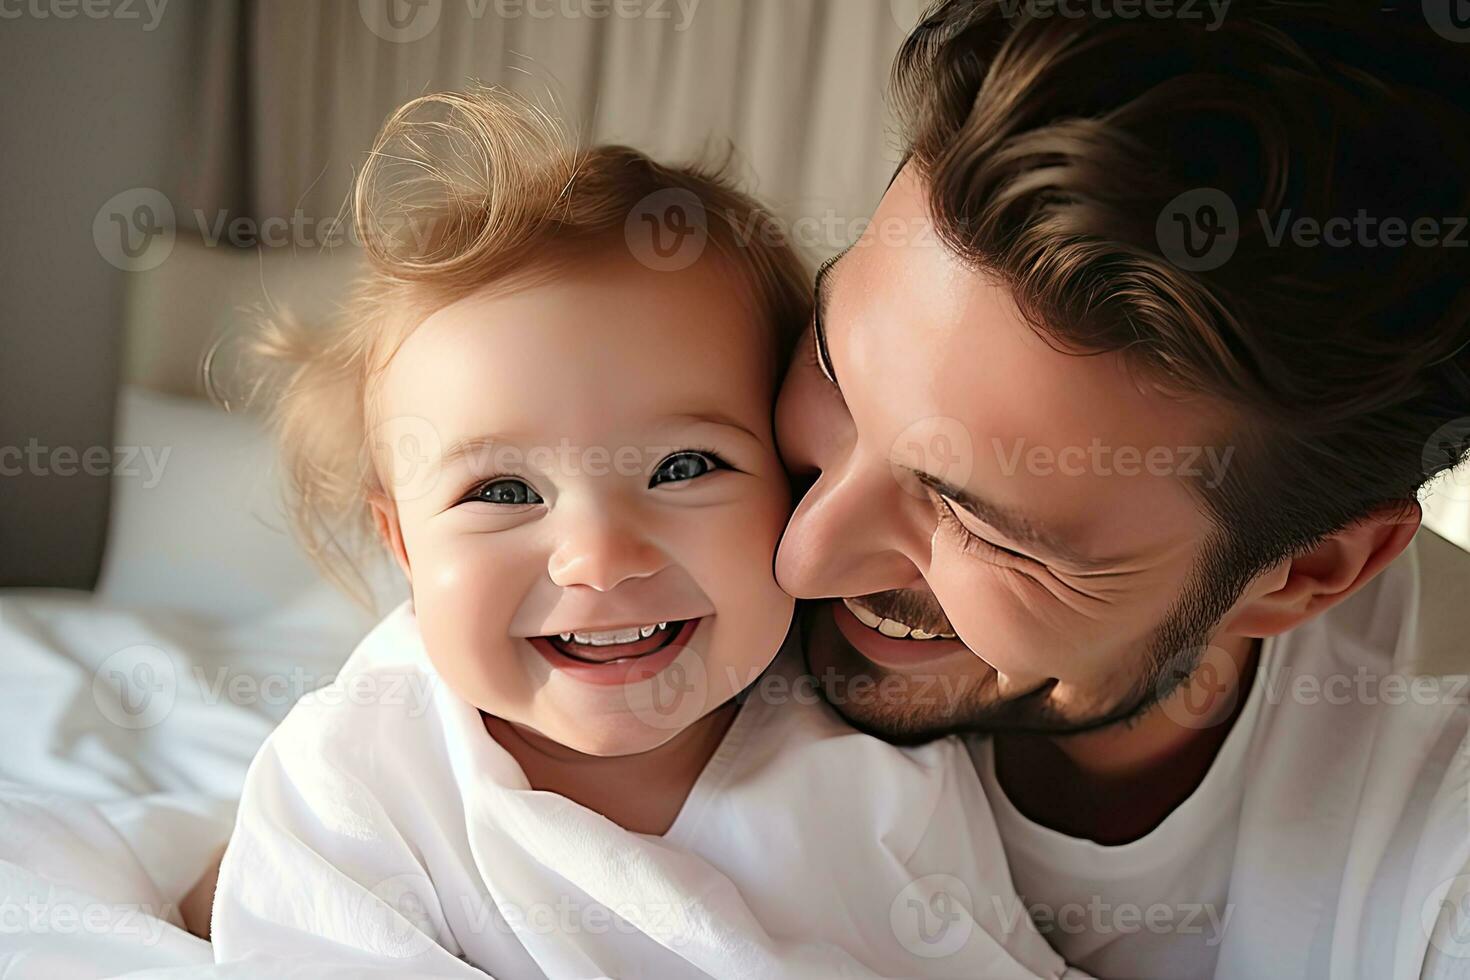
1329,828
387,828
1135,910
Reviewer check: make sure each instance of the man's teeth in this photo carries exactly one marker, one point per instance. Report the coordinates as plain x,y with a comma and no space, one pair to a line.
607,638
891,627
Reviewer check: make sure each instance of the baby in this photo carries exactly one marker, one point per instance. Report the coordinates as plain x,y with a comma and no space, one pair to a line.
586,747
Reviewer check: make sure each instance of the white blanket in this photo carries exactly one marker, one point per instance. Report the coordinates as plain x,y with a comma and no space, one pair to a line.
380,822
127,737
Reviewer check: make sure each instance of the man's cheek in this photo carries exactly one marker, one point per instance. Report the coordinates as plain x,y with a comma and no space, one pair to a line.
1093,663
1000,625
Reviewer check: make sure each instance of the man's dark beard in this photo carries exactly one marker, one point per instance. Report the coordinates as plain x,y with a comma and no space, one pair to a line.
917,710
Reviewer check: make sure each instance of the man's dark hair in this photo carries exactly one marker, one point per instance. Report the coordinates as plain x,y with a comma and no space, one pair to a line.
1054,147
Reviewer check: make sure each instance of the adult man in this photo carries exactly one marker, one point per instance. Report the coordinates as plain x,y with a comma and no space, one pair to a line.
1116,416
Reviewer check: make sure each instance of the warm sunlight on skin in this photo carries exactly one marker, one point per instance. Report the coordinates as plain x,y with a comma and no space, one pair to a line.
928,355
603,459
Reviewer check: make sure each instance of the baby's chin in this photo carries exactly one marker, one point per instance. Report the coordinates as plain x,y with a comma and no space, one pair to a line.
615,741
633,718
604,736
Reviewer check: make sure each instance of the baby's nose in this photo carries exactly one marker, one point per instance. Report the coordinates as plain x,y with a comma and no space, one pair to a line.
601,552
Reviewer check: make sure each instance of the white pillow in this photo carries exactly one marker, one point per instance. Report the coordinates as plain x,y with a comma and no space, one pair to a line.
197,523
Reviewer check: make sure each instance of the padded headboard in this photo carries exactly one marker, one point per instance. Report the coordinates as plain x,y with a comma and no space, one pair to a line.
198,293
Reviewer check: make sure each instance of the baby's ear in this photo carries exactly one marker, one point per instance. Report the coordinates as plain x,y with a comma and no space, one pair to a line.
385,521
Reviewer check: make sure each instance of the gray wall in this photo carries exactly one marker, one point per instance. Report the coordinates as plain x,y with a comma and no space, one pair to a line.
89,107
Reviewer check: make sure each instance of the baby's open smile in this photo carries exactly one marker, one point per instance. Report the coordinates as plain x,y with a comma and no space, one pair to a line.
619,655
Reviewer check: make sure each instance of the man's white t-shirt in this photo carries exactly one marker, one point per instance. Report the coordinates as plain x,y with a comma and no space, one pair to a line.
1140,909
382,828
1329,829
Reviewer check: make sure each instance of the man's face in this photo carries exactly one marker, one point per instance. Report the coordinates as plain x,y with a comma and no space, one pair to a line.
1027,507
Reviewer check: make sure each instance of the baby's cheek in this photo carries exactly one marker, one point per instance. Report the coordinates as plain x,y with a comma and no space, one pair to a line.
464,599
736,570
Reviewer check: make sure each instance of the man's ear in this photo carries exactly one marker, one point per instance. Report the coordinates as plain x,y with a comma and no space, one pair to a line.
385,520
1321,578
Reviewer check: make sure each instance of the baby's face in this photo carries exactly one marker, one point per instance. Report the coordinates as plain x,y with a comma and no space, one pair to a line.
586,498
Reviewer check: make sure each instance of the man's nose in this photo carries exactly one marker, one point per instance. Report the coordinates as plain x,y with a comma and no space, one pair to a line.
601,550
848,537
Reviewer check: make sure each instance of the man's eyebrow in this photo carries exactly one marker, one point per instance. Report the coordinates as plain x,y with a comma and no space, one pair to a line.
819,315
1014,525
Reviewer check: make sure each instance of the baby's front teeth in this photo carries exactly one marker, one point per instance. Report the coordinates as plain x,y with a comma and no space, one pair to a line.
602,638
606,638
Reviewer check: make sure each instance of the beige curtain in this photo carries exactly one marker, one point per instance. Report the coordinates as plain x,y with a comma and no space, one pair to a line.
294,90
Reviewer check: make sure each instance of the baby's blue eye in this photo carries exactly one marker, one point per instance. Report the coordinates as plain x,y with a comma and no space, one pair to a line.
684,466
515,493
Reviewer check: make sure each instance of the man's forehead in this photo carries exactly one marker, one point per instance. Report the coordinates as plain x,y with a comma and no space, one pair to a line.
903,299
935,357
902,222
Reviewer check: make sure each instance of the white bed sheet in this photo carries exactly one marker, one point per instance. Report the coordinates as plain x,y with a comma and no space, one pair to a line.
127,737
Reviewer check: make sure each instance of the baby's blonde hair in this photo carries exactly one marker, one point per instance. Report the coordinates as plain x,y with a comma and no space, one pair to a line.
460,191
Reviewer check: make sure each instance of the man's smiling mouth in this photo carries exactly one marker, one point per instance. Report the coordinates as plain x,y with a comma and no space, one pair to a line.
892,628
